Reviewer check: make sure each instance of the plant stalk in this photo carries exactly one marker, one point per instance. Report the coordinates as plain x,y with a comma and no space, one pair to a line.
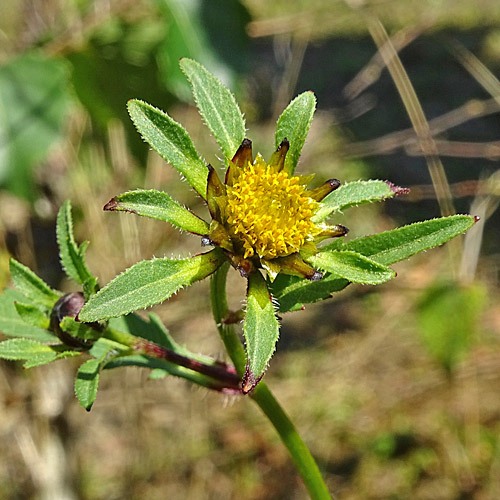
304,461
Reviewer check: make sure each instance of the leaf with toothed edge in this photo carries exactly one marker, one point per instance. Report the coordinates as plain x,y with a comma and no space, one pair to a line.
71,255
352,266
158,205
217,106
171,141
354,194
293,124
147,283
261,331
33,287
385,248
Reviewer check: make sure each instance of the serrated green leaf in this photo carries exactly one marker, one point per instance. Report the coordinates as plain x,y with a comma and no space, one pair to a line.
31,315
352,266
87,382
217,106
30,285
293,124
399,244
292,292
87,378
148,283
171,141
261,330
11,323
354,194
158,205
385,248
73,257
33,352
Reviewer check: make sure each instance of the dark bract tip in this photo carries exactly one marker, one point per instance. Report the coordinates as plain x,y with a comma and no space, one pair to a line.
111,205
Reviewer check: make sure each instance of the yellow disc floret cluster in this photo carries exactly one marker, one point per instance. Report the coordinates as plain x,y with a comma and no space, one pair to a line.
269,211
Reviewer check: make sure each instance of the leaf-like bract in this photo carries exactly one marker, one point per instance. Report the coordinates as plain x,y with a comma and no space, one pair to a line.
73,256
171,141
147,283
217,106
31,286
352,266
293,124
354,194
158,205
261,330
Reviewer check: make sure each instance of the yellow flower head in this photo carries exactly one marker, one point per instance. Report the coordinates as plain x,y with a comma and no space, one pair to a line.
263,216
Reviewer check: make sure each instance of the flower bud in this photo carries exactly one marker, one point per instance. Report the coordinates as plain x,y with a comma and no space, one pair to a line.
69,305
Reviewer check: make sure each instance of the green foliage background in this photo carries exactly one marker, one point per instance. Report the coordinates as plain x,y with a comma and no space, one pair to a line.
395,389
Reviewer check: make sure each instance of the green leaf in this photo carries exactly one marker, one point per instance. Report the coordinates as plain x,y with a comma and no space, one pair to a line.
171,141
354,194
31,315
385,248
292,292
261,331
293,124
352,266
73,257
87,378
399,244
217,106
11,323
147,283
30,285
34,105
158,205
448,318
87,382
33,352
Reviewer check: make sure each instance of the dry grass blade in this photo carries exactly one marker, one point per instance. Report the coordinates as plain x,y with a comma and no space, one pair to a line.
389,143
415,111
371,72
476,68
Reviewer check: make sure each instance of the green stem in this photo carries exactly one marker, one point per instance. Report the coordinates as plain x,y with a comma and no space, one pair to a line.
304,461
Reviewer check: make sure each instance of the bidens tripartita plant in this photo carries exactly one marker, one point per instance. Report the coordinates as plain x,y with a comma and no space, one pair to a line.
263,220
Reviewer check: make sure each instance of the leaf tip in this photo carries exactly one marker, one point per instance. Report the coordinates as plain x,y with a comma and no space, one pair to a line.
110,205
249,381
397,190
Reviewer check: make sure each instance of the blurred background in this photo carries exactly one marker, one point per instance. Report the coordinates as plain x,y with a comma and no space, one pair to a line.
395,389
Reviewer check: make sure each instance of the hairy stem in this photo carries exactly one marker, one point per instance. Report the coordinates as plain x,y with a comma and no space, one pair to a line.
304,461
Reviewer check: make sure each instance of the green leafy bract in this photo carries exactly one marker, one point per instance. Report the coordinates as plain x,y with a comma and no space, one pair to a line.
73,256
217,107
87,378
401,243
261,330
171,141
354,194
158,205
34,353
147,283
12,325
31,286
352,266
32,315
293,124
385,248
